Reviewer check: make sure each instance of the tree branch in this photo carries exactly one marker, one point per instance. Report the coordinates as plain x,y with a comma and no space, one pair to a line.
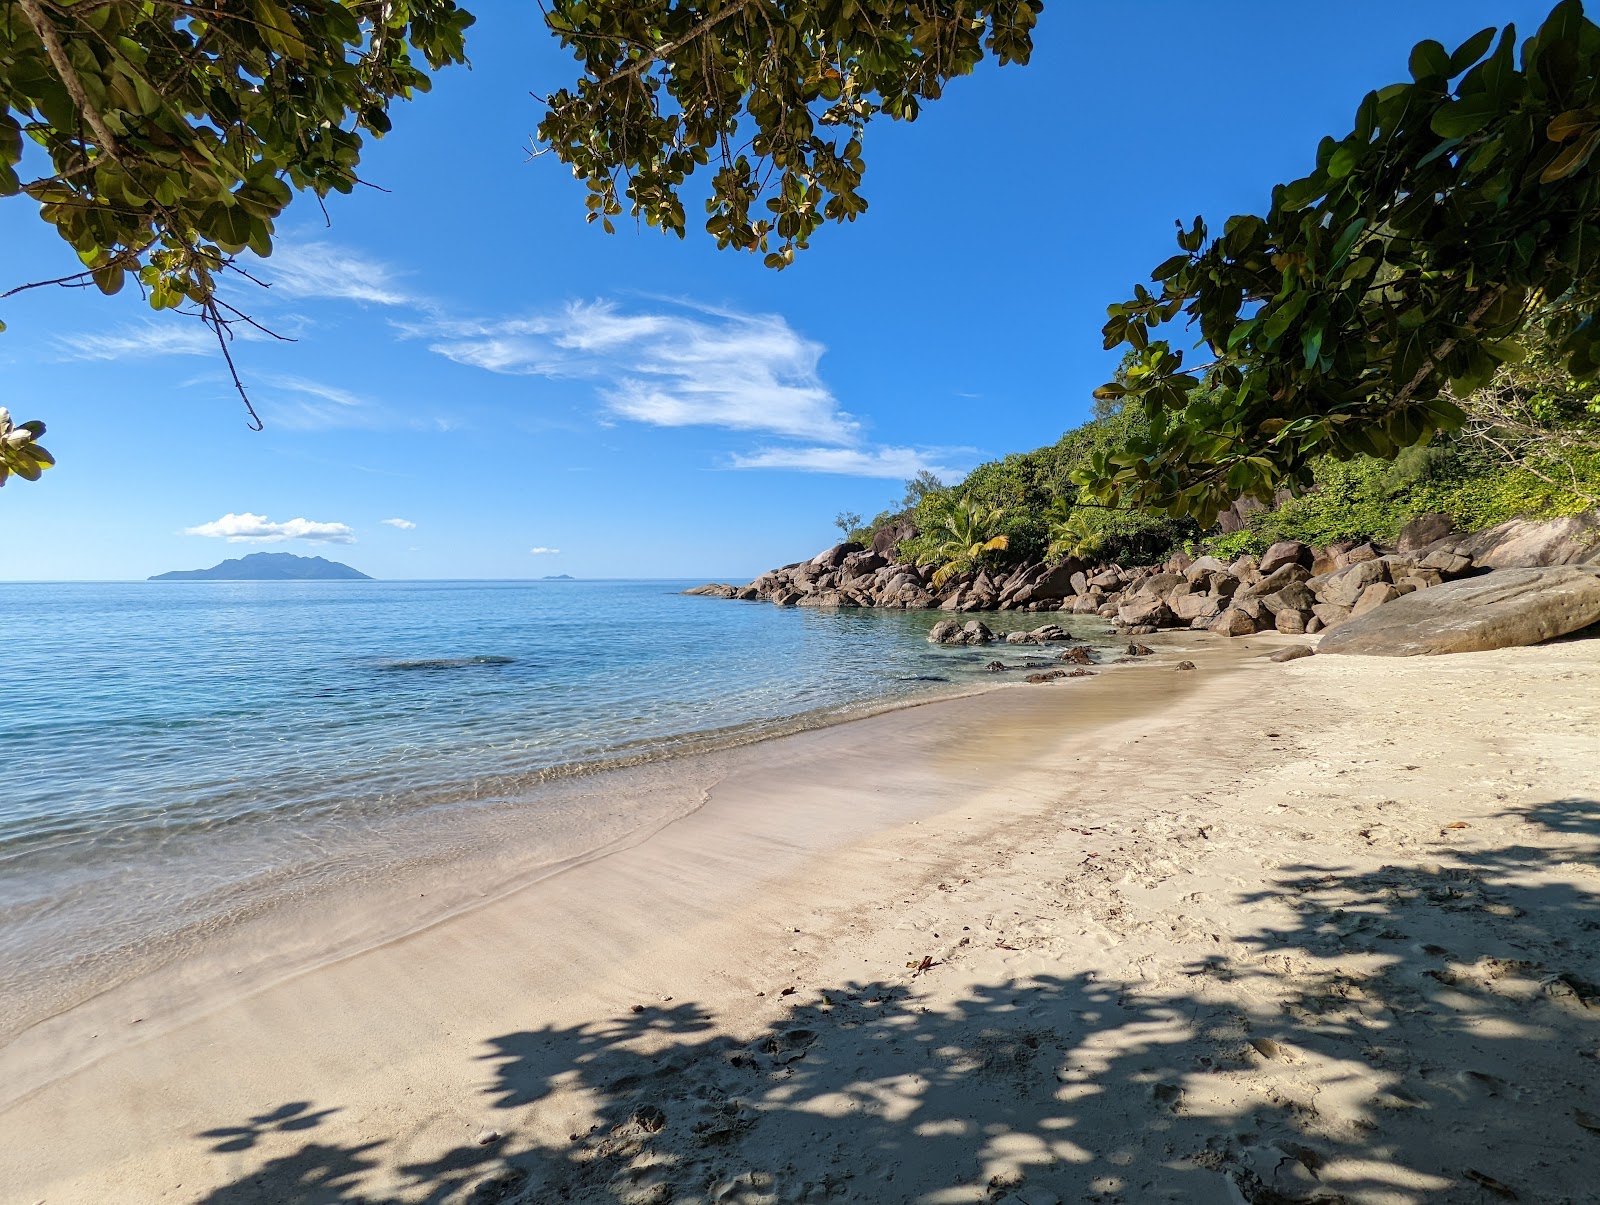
661,52
46,30
1444,349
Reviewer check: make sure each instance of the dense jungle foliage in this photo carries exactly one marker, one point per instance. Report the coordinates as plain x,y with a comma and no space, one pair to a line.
1530,447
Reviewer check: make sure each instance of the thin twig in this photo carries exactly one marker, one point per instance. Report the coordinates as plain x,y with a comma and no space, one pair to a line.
219,327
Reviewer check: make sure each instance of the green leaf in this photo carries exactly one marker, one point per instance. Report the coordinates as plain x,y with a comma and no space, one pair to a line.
1169,268
1470,51
1311,344
1302,192
1429,59
1344,161
1465,117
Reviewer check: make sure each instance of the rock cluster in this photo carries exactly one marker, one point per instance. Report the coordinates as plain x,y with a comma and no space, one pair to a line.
975,631
1291,588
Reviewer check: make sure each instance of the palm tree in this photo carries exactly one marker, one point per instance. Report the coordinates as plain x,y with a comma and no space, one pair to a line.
1070,534
965,531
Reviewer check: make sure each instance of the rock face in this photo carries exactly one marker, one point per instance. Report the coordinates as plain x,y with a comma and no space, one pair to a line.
1425,530
1497,610
887,540
1525,544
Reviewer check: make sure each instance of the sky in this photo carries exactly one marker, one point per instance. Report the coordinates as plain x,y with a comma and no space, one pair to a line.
482,386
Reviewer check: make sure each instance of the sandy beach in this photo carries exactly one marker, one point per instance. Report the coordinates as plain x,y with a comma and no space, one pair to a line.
1325,930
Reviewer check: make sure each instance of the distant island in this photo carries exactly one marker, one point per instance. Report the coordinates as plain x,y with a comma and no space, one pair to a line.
269,567
559,577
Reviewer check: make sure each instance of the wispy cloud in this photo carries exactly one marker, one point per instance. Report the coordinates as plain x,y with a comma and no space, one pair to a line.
402,524
894,463
299,404
716,368
292,403
247,528
325,271
177,336
544,551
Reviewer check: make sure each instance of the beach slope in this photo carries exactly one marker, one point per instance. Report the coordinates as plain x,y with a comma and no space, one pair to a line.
1324,930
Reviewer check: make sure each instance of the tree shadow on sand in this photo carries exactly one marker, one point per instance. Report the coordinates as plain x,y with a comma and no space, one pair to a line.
1419,1033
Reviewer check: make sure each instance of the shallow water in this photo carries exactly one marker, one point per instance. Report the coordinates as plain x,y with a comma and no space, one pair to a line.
175,750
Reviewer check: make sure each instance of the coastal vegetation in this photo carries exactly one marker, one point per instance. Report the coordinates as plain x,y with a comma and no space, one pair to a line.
1454,221
1529,444
961,534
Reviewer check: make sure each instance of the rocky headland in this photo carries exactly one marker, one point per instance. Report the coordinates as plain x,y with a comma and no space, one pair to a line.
1291,588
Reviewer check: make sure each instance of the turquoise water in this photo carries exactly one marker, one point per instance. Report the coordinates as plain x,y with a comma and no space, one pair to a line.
167,743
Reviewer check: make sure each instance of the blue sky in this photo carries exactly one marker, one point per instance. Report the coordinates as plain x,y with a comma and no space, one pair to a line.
479,378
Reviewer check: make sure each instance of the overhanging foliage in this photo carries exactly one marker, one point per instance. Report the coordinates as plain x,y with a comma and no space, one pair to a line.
776,94
1461,208
176,132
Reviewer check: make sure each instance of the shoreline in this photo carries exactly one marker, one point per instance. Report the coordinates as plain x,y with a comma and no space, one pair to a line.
255,943
414,845
856,845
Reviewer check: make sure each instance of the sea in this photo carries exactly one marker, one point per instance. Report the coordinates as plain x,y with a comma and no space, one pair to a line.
179,755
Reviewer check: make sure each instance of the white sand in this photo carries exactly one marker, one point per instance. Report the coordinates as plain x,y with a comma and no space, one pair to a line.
1220,941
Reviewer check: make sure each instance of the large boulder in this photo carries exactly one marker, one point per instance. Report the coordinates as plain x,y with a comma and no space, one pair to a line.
1331,614
1238,515
886,540
1232,622
1344,587
1145,611
946,631
860,564
1497,610
1293,597
1526,543
1107,579
1291,622
1058,583
1425,530
1283,576
1284,552
975,632
1206,566
1372,597
832,558
1196,606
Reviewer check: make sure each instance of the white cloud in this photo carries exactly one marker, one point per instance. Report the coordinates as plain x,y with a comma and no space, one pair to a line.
177,337
258,529
402,524
745,372
544,551
322,271
892,463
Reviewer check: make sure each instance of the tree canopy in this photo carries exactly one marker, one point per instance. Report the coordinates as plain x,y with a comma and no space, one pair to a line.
174,132
1461,211
775,93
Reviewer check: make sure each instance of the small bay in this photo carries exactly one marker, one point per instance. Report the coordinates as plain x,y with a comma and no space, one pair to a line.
175,749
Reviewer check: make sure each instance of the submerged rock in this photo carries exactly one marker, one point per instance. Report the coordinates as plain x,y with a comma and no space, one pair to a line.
446,663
